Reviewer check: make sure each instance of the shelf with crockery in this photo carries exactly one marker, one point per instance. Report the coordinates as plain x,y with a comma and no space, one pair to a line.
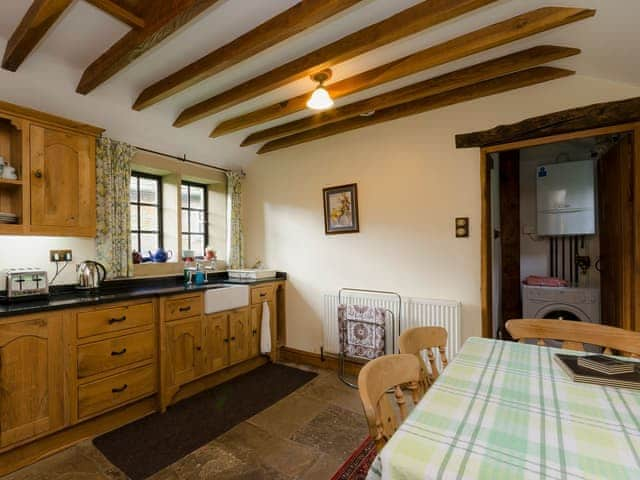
12,189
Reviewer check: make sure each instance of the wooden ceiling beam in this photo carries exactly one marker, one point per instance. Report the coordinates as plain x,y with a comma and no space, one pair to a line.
480,40
163,19
506,83
410,21
296,19
42,14
531,57
117,11
598,115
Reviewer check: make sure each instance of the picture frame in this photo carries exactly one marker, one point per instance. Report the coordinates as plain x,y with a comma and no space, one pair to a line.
341,209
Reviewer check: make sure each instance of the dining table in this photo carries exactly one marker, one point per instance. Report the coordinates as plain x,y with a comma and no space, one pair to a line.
506,410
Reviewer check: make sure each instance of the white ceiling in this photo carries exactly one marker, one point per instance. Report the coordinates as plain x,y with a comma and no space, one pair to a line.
83,33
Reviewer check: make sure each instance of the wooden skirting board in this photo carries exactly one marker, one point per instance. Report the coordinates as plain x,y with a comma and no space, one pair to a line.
328,360
217,378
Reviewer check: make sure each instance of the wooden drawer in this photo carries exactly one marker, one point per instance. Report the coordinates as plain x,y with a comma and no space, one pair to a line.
114,319
263,293
183,307
99,357
114,391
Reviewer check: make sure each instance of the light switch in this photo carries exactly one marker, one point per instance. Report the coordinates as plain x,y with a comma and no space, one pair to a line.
462,227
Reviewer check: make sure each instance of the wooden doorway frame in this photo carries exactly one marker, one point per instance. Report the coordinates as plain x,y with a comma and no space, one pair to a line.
633,322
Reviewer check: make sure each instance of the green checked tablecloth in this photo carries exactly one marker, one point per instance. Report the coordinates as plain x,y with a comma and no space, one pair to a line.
504,410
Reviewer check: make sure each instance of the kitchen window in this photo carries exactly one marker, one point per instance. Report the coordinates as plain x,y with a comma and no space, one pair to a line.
145,200
195,214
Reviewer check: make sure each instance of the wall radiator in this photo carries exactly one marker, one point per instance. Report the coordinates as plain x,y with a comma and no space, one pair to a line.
416,312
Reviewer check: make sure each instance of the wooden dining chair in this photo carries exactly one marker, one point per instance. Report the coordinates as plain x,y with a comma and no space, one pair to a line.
574,335
376,378
429,339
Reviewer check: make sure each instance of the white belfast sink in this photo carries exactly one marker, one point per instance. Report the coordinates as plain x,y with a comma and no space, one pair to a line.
226,298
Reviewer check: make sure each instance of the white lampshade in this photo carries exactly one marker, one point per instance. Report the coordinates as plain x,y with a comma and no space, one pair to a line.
320,99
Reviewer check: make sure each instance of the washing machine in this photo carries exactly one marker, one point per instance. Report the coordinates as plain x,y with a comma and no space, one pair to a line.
567,303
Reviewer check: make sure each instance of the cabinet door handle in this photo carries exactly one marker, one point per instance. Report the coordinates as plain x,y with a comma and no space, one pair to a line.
198,348
121,352
233,339
120,390
184,309
255,331
117,320
37,173
226,340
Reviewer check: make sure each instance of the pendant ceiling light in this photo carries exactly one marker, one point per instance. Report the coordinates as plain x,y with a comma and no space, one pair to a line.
320,98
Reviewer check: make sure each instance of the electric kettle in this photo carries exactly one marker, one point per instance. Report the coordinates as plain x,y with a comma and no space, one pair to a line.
90,275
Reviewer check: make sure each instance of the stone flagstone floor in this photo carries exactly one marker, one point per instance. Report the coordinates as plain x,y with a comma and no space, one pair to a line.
305,436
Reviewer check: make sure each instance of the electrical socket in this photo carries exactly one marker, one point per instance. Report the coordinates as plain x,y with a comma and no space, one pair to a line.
60,255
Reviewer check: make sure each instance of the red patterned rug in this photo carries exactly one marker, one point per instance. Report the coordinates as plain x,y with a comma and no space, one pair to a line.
357,466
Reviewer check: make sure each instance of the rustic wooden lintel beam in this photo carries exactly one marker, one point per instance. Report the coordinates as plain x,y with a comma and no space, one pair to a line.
567,121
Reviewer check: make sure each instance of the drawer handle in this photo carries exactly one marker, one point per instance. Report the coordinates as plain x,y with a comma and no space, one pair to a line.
120,390
255,331
184,309
226,340
117,320
263,294
38,173
121,352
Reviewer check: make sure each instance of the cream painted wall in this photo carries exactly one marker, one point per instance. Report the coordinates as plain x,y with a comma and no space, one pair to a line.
412,183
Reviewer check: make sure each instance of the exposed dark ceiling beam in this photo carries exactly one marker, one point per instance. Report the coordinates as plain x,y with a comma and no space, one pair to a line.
118,11
410,21
162,18
42,14
292,21
531,57
509,82
480,40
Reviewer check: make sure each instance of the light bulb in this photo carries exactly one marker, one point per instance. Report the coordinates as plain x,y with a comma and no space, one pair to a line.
320,99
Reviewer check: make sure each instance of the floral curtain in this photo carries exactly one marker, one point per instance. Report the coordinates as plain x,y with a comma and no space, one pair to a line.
113,175
234,202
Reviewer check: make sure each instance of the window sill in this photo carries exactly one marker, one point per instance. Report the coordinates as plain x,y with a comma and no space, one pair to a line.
150,269
157,269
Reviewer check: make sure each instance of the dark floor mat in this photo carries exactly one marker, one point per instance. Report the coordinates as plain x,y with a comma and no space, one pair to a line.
150,444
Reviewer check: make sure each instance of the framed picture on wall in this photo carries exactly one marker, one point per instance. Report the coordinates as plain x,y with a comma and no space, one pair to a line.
341,209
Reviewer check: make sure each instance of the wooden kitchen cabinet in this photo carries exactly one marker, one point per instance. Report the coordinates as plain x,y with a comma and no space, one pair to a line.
184,350
194,348
54,159
266,293
216,342
63,182
239,336
255,327
32,378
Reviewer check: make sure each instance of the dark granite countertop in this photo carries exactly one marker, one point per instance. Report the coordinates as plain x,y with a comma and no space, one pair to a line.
67,296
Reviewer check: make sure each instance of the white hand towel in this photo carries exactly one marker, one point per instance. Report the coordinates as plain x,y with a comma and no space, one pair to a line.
265,334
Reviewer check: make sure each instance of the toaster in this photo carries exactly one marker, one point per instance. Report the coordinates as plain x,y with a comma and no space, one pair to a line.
23,283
